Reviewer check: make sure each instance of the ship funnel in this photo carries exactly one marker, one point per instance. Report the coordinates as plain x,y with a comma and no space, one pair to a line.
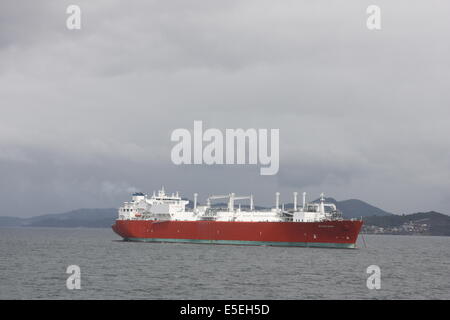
304,200
295,201
277,200
195,200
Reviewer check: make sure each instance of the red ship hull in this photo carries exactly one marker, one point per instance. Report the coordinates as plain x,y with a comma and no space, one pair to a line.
334,234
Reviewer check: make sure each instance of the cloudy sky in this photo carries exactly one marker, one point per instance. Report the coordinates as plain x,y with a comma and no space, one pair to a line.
86,115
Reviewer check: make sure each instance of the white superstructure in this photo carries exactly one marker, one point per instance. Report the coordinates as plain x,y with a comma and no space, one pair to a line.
161,206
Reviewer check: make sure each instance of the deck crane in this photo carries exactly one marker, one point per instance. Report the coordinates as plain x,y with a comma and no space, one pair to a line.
231,198
228,196
250,197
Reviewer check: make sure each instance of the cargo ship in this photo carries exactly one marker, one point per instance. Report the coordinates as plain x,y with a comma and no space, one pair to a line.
165,218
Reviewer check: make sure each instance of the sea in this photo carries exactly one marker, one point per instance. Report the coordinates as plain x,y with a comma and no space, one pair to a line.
34,263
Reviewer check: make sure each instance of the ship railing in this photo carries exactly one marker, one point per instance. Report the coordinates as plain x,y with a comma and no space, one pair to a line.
207,218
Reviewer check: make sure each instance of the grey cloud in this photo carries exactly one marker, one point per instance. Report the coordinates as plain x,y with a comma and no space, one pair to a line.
86,116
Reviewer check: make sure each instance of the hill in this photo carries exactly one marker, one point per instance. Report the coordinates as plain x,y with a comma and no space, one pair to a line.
425,223
375,220
353,208
93,218
100,218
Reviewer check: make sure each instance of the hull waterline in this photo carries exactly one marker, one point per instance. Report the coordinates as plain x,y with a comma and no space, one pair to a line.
329,234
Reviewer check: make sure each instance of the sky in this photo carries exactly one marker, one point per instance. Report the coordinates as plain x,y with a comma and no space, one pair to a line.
86,115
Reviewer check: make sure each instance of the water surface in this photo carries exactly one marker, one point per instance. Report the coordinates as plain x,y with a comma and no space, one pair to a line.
33,263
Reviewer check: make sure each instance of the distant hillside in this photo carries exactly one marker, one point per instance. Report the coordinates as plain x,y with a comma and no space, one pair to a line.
100,218
10,222
426,223
375,220
94,218
353,208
